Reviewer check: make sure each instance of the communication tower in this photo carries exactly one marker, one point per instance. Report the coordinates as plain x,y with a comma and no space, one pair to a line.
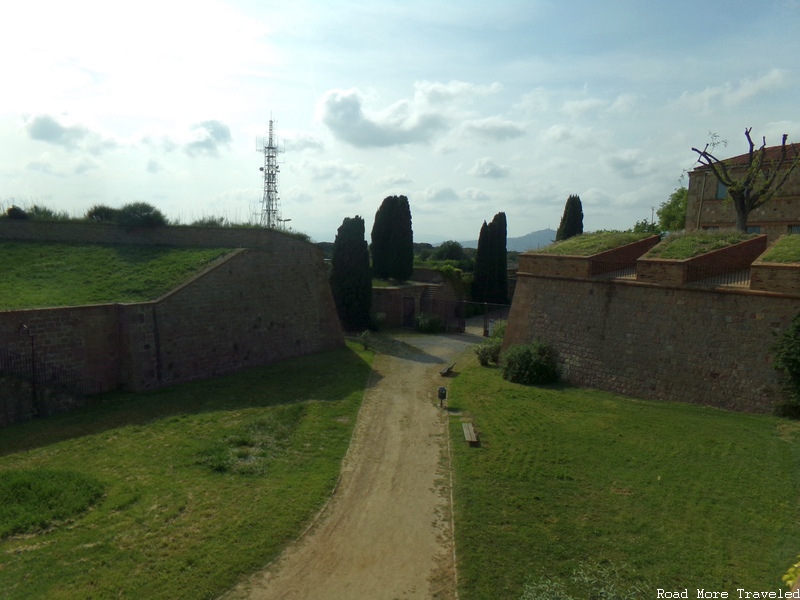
270,202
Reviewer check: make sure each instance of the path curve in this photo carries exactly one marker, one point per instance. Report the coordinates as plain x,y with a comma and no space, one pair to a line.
387,531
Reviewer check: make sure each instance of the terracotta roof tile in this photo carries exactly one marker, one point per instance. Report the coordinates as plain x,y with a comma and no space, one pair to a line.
773,153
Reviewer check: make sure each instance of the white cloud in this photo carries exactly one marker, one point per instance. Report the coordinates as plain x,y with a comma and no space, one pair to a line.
434,92
332,169
401,123
578,108
439,194
208,136
397,179
732,94
560,133
70,136
475,195
494,128
487,167
629,163
297,141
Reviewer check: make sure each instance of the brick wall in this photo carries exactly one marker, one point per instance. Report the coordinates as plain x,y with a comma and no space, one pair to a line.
774,218
256,306
658,342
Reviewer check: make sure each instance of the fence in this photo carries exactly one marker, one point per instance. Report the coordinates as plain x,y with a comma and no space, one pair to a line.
718,275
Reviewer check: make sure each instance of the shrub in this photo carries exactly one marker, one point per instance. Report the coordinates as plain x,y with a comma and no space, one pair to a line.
427,323
209,222
42,213
140,214
15,212
530,364
102,213
499,330
489,350
787,361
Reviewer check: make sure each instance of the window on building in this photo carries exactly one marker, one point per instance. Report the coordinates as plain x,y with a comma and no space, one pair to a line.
722,191
794,229
754,229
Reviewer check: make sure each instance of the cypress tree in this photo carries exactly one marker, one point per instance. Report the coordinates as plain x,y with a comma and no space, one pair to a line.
571,220
498,229
393,240
351,280
480,281
490,283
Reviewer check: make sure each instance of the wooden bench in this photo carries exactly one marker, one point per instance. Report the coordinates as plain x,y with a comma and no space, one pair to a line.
469,434
447,370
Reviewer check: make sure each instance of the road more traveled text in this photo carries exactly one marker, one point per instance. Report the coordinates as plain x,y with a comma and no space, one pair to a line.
739,593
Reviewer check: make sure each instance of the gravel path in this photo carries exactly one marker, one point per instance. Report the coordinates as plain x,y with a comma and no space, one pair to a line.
387,531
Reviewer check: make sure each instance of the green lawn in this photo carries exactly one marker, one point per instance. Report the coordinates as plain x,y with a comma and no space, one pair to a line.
680,246
588,244
200,484
40,274
785,250
684,496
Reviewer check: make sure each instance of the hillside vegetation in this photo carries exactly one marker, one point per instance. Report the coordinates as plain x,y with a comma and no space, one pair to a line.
38,274
680,246
785,250
589,244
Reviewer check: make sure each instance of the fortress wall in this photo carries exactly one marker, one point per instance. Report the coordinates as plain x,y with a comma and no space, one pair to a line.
706,346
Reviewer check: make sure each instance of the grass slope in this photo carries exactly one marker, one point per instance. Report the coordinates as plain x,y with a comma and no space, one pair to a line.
203,483
589,244
37,274
785,250
688,244
686,496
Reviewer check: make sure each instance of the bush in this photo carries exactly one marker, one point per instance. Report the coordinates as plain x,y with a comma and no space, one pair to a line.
102,213
499,330
15,212
787,361
489,351
140,214
530,364
427,323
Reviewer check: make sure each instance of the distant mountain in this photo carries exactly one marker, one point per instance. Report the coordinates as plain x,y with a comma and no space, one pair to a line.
531,241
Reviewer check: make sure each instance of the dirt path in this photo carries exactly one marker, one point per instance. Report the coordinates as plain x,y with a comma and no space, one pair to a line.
387,531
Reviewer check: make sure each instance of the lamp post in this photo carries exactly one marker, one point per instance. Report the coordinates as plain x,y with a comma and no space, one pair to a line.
283,222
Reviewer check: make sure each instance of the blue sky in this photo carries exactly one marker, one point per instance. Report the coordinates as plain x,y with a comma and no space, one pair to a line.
468,108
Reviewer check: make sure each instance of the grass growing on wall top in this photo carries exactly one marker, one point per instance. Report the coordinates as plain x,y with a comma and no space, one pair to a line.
785,250
684,495
588,244
688,244
202,483
39,274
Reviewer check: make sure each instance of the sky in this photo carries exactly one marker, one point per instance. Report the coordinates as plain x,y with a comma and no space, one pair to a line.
467,108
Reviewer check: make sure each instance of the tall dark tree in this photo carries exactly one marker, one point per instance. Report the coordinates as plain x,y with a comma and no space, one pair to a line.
753,182
351,279
490,283
571,220
393,240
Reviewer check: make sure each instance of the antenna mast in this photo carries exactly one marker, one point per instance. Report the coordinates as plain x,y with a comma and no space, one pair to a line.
270,202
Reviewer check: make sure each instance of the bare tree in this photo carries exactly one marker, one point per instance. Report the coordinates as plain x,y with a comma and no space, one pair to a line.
763,175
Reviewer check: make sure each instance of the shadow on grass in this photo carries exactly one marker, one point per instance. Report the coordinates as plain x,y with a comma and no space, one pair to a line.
328,376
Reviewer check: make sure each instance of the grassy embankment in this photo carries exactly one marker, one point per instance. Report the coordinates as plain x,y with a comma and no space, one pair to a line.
685,496
188,488
683,245
588,244
40,274
785,250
